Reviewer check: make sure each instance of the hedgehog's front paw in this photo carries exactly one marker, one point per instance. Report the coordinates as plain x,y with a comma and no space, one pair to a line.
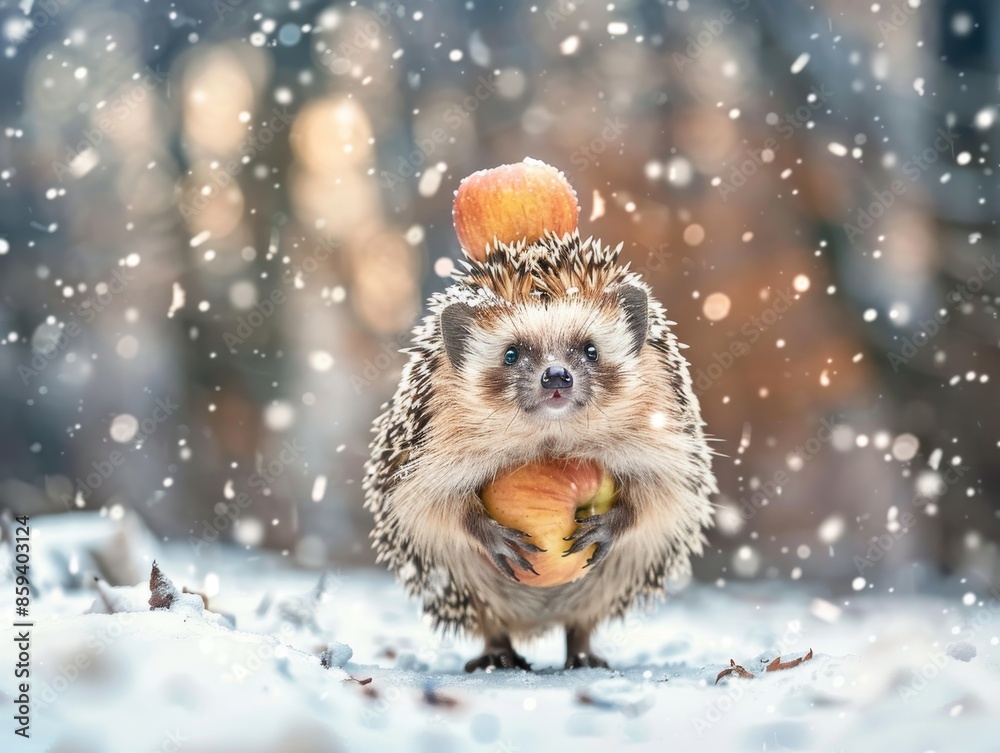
600,530
504,545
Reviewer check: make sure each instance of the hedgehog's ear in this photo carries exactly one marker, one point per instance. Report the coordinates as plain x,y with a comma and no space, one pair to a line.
456,327
635,304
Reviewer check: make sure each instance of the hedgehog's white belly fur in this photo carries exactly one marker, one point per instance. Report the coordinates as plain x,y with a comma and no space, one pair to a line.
527,610
524,610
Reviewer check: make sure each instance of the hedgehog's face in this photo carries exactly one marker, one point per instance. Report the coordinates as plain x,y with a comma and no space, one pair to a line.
550,359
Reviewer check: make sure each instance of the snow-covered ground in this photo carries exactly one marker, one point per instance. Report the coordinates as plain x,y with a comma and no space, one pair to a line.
891,671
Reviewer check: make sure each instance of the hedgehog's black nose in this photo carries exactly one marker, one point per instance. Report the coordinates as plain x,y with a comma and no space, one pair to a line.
557,378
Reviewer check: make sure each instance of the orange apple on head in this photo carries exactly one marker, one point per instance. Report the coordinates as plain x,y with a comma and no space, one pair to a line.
545,499
511,203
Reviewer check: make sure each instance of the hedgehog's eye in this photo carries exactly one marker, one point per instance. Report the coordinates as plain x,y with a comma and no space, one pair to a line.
510,357
591,352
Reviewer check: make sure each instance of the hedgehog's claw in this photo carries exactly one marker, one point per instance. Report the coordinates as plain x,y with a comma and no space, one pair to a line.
509,546
505,546
601,530
519,537
599,554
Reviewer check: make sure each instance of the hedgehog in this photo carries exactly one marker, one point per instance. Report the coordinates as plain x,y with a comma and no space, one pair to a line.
550,349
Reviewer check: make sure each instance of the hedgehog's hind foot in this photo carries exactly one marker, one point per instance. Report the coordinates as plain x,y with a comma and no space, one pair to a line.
498,654
578,652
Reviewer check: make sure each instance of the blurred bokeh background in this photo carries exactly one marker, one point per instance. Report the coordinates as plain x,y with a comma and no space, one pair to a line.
219,221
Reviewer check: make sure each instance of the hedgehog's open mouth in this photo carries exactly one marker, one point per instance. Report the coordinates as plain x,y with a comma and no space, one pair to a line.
554,404
558,401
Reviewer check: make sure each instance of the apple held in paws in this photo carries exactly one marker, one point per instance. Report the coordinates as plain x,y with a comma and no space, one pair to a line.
511,203
545,499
